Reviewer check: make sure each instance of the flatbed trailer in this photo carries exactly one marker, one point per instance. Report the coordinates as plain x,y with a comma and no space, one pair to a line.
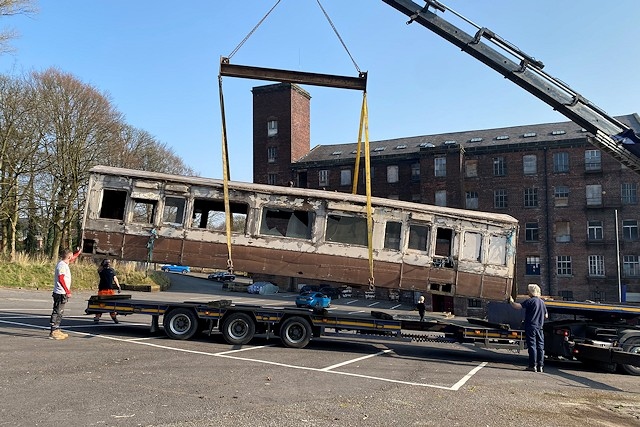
603,334
239,323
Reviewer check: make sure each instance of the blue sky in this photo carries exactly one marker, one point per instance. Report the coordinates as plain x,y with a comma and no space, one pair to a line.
158,62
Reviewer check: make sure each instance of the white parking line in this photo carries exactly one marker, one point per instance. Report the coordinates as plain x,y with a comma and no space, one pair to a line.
395,306
373,304
351,302
356,312
226,354
337,365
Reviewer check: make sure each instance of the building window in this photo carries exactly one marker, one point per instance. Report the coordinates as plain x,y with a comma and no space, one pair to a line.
272,154
392,174
440,166
500,199
561,195
598,296
530,197
596,265
630,229
323,178
533,266
561,162
474,303
630,266
629,192
272,128
563,231
345,177
415,172
563,265
595,231
566,295
471,168
272,178
499,166
441,198
530,164
594,195
592,160
472,200
531,233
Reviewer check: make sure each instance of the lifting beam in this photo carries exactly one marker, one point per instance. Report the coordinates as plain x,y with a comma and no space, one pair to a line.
286,76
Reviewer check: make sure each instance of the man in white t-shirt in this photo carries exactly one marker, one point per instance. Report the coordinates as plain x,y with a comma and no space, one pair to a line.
61,292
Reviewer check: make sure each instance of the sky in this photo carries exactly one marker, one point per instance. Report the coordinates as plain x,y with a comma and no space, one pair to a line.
158,62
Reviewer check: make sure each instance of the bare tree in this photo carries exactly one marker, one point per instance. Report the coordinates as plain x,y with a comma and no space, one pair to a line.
13,7
82,123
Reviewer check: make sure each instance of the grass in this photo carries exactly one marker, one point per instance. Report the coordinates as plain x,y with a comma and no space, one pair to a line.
37,273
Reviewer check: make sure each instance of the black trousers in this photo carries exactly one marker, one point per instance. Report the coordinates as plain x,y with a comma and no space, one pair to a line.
59,301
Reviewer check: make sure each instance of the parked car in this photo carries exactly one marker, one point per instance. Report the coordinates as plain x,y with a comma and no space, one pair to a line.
309,288
176,268
331,292
313,300
263,288
222,276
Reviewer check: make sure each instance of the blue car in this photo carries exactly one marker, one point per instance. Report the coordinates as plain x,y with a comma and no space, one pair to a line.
313,300
174,268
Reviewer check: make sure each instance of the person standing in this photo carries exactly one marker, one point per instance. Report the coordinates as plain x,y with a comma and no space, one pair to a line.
535,312
108,280
61,292
421,308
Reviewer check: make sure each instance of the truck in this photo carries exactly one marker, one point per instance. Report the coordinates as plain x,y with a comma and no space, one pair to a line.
603,334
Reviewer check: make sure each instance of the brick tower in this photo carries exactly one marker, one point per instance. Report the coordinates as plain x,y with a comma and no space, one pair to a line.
281,132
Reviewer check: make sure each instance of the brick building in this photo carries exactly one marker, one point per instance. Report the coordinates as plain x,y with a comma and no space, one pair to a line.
565,192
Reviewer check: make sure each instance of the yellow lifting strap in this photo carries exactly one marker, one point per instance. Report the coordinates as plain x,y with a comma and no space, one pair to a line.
364,127
225,178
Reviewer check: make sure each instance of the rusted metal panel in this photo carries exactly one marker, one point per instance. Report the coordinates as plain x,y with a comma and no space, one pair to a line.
288,76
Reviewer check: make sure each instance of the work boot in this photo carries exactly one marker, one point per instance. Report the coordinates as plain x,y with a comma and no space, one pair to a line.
114,318
57,334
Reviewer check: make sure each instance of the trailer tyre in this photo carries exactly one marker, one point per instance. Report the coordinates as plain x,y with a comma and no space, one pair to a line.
180,323
295,332
632,345
238,329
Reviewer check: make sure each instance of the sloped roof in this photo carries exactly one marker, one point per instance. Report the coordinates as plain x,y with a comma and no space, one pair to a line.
546,132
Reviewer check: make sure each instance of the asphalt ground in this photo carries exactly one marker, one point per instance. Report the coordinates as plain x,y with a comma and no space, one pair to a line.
121,375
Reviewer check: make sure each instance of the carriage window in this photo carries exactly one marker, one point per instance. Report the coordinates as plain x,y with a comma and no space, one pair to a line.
472,246
210,214
392,235
347,229
497,250
444,240
286,223
173,212
113,202
418,237
143,211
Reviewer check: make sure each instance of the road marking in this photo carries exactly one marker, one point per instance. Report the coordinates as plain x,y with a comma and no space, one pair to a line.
467,377
243,349
337,365
356,312
373,303
395,306
226,354
351,302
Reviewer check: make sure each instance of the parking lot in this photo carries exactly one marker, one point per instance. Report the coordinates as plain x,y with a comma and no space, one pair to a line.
109,374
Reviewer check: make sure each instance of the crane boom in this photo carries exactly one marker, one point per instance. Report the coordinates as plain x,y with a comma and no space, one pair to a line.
609,134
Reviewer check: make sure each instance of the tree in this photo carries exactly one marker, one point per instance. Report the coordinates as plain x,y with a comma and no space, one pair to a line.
81,123
9,8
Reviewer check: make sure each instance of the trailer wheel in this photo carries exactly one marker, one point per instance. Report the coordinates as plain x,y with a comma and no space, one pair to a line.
295,332
180,323
632,345
238,329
